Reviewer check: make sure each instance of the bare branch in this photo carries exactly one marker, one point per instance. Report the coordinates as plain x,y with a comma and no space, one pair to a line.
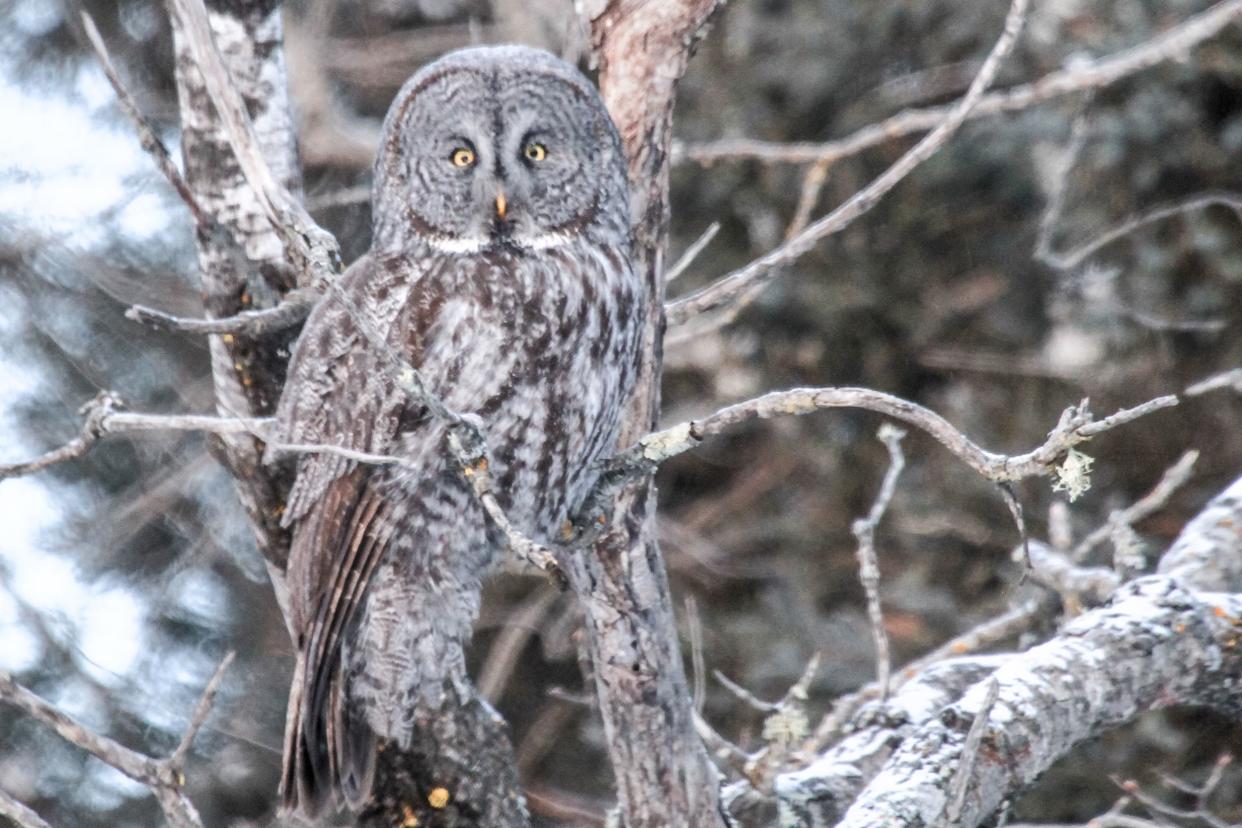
21,815
1173,479
95,413
1189,647
1075,257
692,253
162,776
1075,427
832,780
994,630
503,656
201,711
146,132
757,273
1078,586
1175,44
868,565
292,309
1228,379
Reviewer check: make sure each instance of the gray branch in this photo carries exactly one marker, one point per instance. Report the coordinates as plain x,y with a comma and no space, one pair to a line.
1162,640
164,777
750,278
1174,44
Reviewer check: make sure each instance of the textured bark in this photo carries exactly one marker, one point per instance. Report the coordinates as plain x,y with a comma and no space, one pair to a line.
241,258
469,752
820,792
663,774
1163,640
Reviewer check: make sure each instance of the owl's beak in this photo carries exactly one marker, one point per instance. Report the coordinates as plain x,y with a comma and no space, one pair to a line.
501,204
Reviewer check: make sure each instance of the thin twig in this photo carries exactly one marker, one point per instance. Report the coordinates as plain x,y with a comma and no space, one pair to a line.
728,753
743,695
1175,44
1075,257
970,754
868,565
146,132
698,663
692,253
1007,625
1228,379
201,711
1173,479
162,777
507,649
741,282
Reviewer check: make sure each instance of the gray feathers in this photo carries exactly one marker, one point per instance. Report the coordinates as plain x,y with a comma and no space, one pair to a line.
522,310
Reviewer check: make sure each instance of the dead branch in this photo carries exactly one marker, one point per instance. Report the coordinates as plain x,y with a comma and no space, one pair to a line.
1031,726
164,777
1227,379
833,779
1189,647
1007,625
292,309
1076,426
21,815
1173,479
744,281
868,565
147,136
1175,44
1077,585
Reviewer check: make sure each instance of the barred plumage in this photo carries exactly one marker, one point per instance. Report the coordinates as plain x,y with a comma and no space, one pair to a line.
509,287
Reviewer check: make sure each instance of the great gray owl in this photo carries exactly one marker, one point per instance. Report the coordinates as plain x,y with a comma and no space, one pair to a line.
499,268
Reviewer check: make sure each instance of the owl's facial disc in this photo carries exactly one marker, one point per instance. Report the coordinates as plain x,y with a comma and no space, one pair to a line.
500,156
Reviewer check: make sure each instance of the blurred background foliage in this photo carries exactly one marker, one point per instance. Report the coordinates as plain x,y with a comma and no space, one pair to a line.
936,296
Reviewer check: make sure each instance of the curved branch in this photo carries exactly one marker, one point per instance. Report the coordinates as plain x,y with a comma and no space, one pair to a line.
1075,427
1172,45
748,279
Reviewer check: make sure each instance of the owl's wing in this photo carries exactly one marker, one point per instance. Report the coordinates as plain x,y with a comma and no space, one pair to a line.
339,392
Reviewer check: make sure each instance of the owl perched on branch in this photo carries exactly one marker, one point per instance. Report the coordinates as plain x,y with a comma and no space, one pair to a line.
500,269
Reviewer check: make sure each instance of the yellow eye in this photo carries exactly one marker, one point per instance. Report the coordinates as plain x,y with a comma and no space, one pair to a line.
462,157
535,151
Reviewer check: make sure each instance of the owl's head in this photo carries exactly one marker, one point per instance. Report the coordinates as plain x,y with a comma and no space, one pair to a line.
502,146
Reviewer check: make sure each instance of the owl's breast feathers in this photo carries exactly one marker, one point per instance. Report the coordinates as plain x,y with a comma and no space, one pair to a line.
386,561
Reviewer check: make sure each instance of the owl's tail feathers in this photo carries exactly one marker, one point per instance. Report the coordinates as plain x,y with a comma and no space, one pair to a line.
327,751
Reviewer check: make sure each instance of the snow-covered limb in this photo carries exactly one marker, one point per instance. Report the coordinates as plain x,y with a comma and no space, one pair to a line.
1167,639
